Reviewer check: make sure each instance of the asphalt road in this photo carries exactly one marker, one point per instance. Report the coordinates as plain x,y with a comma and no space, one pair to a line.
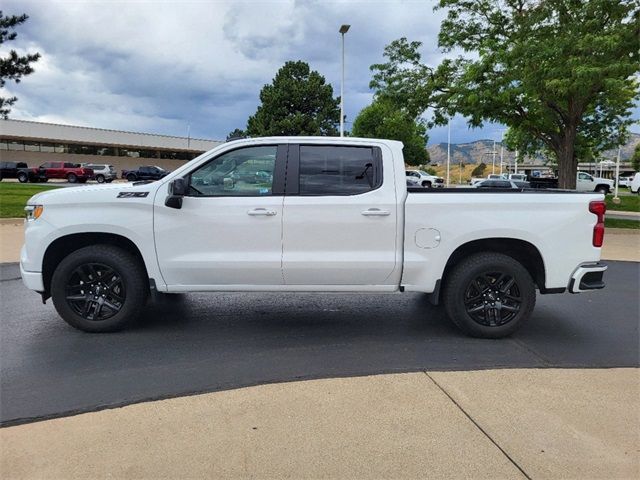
209,342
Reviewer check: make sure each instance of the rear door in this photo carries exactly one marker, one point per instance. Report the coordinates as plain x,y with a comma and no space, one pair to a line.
340,216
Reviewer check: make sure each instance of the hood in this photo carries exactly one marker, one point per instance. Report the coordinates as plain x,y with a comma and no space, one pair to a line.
87,193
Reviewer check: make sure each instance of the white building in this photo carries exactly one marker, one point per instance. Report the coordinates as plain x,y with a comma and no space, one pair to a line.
36,143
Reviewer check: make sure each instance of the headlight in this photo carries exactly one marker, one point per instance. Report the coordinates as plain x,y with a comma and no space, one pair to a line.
33,212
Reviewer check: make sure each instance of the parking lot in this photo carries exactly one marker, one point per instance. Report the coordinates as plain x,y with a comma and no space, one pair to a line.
201,343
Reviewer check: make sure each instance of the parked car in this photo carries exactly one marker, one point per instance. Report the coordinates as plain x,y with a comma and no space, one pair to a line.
336,217
413,182
21,171
635,184
584,183
147,172
425,179
103,173
625,181
517,185
72,172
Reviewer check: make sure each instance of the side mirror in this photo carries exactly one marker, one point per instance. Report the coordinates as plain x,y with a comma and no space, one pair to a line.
177,190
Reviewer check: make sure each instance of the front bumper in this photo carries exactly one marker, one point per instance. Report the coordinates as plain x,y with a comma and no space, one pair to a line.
32,280
587,277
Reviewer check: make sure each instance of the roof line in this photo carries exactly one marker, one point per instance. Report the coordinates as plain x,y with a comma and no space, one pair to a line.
110,130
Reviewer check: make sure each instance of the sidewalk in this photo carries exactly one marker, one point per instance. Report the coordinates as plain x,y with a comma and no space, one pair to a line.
483,424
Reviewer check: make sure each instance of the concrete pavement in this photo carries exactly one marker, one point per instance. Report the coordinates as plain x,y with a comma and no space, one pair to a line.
552,423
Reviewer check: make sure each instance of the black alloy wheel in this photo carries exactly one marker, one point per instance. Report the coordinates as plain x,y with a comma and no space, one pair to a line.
489,295
100,288
493,299
95,291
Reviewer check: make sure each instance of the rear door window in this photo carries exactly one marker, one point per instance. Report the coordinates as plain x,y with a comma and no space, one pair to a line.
338,170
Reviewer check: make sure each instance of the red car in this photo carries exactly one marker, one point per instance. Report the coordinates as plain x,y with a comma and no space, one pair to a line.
71,171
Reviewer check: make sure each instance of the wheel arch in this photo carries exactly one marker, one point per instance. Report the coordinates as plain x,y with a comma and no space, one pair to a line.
520,250
63,246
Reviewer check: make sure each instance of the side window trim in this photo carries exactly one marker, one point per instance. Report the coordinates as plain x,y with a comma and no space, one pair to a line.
293,169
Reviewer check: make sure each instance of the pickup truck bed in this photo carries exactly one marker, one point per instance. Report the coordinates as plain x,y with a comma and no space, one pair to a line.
309,214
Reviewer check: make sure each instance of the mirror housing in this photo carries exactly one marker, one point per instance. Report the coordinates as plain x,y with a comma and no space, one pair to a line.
177,190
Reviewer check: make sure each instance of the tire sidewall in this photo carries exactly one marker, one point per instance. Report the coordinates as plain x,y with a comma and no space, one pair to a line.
23,178
72,178
471,268
100,178
124,264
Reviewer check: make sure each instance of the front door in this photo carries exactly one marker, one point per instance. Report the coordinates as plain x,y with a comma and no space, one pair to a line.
229,229
340,217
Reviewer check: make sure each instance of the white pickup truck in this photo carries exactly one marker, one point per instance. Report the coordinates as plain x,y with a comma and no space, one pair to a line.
308,214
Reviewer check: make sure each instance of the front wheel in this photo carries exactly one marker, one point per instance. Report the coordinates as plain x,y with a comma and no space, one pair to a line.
489,295
131,178
100,178
100,288
426,184
72,178
602,189
23,177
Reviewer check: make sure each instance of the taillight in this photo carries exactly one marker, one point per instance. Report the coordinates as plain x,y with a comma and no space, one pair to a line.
598,207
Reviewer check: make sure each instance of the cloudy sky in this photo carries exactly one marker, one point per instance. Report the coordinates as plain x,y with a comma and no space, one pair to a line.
166,66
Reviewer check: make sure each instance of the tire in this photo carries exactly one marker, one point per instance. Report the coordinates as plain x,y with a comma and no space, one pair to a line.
72,178
100,178
426,184
131,177
116,302
602,189
23,177
469,287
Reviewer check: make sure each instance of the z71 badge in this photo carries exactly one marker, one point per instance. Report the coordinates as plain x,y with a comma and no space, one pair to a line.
132,194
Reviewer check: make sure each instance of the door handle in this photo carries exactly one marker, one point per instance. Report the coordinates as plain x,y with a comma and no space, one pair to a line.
263,212
376,212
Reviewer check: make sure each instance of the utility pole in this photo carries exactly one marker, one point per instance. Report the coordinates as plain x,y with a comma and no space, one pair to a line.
343,29
448,149
617,179
516,163
493,162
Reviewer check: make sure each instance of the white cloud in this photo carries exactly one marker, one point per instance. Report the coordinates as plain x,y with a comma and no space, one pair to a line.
158,66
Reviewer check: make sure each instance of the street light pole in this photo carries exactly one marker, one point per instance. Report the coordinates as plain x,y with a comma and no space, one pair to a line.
493,161
615,196
448,149
343,29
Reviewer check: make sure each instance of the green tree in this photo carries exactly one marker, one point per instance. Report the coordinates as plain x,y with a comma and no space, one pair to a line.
297,102
236,134
382,119
635,158
13,66
479,170
559,73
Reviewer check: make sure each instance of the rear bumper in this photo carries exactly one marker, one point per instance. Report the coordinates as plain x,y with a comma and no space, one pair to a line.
587,277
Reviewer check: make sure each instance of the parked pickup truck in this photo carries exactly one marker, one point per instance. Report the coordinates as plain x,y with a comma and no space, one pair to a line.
72,172
332,215
147,172
584,183
22,172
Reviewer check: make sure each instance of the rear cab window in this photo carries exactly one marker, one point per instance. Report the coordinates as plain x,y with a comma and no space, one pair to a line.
334,170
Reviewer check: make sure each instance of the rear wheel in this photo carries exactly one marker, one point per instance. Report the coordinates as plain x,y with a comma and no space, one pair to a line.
100,288
602,189
131,177
23,177
72,178
489,295
100,178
